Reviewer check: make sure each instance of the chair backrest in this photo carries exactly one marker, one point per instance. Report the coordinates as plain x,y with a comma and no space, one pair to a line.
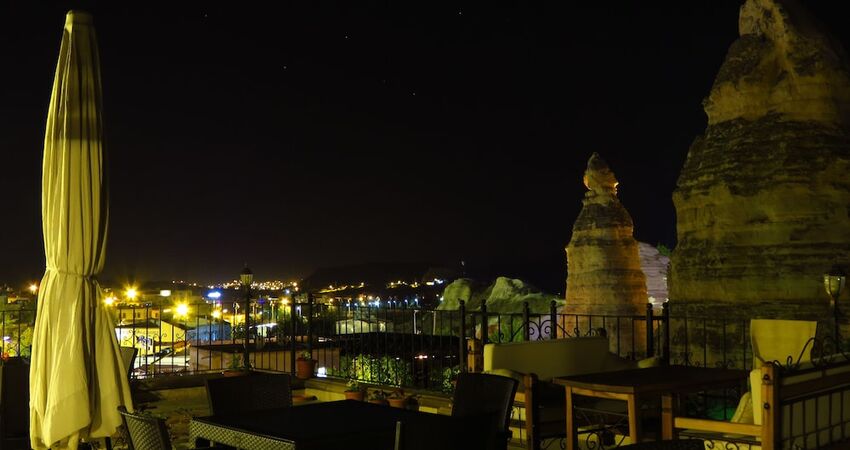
679,444
776,340
128,355
479,393
145,432
255,392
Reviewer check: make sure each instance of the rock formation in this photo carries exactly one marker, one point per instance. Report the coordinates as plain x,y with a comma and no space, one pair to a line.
655,266
504,296
763,200
505,299
603,265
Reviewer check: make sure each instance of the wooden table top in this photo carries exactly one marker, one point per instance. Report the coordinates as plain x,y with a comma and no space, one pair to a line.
654,379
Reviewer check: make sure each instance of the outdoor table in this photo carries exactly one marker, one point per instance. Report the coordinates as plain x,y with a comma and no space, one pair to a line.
346,424
633,385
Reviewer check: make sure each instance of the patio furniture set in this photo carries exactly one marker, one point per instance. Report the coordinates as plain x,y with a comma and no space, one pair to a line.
572,387
255,412
798,398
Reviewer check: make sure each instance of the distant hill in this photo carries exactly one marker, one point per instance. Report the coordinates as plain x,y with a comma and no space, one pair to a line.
376,274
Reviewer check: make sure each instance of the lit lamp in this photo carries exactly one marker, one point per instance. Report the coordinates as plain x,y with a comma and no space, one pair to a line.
833,282
246,277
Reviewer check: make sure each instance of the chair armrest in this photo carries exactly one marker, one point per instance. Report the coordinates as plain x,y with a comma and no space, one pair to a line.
717,426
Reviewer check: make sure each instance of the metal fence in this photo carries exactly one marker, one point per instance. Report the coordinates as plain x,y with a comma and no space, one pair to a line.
394,344
16,322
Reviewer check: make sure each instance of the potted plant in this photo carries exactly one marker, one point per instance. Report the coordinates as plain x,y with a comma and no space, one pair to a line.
398,399
378,397
235,368
305,365
354,390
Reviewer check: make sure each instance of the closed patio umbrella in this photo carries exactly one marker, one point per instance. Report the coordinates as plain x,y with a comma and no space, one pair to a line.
77,378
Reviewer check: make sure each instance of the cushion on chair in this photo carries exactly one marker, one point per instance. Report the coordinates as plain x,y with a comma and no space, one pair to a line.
553,358
776,340
744,411
645,363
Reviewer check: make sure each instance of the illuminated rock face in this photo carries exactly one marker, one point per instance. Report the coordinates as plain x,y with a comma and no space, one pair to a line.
655,267
604,274
763,200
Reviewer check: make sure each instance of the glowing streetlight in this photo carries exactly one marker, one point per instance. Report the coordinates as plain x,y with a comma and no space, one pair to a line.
33,288
246,277
109,301
131,293
216,314
181,310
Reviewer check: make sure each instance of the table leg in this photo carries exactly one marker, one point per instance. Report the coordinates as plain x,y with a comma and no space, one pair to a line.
571,431
667,431
634,419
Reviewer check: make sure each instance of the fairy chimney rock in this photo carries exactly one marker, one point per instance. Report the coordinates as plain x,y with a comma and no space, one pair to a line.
762,200
604,275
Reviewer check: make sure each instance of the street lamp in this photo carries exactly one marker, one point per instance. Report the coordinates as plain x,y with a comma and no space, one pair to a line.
833,282
246,277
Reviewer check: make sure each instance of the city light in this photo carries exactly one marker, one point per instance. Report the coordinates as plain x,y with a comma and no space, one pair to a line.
131,293
181,310
33,288
214,295
165,293
108,301
216,314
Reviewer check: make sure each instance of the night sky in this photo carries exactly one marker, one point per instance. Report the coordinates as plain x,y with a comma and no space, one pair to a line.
328,133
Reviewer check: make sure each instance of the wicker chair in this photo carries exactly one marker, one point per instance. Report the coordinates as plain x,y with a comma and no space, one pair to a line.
257,392
679,444
145,432
478,393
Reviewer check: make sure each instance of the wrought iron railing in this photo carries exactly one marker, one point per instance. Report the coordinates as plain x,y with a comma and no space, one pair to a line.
391,344
16,323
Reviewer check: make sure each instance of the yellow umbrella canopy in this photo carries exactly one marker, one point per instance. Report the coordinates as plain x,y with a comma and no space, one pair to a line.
77,378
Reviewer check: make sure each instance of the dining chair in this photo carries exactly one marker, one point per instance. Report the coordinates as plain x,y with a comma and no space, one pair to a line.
145,432
255,392
479,394
678,444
